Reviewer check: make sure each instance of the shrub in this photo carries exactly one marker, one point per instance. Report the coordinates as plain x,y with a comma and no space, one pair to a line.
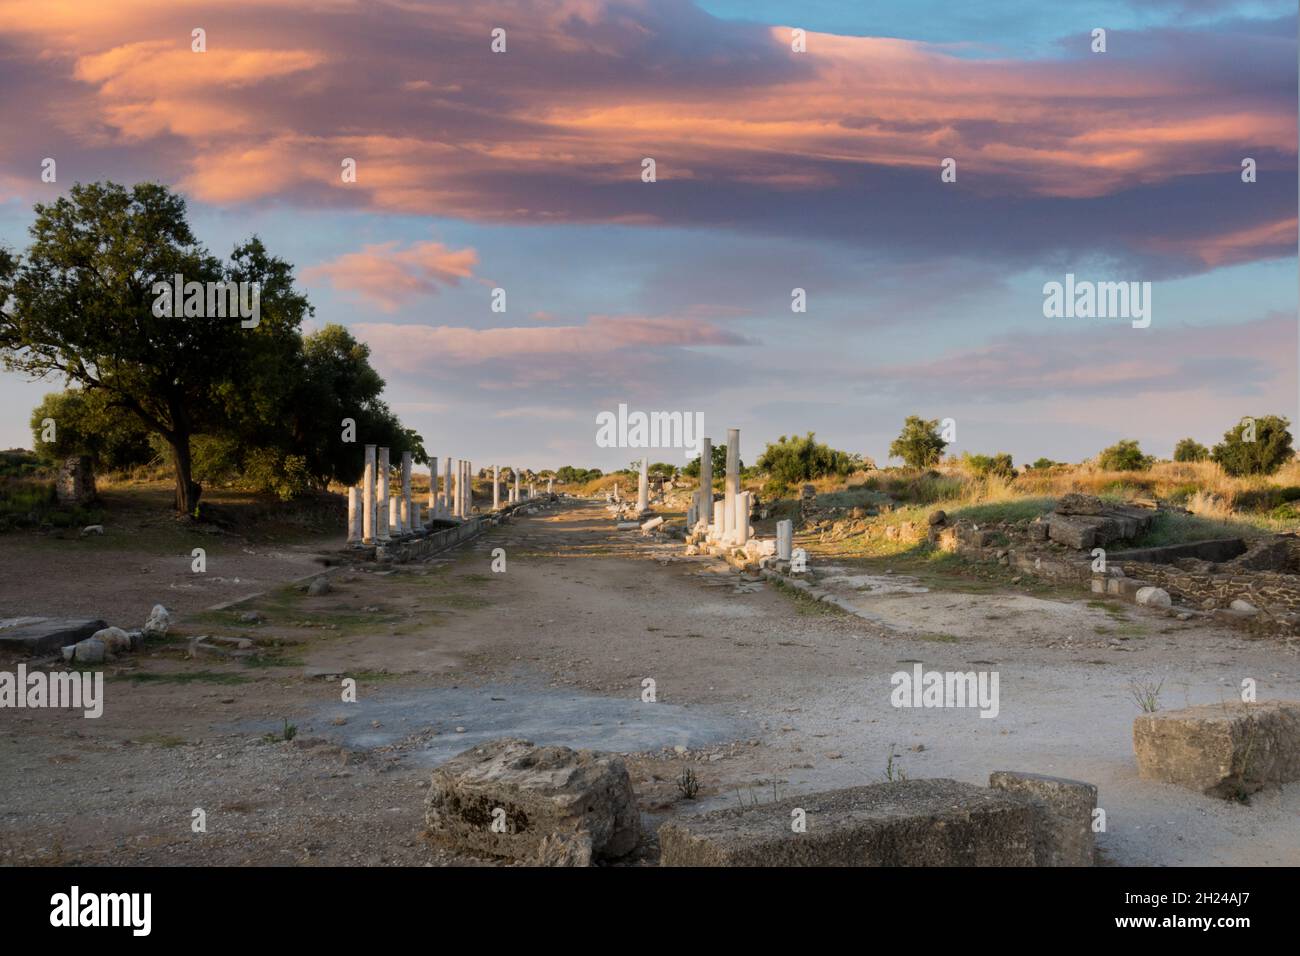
981,466
792,460
1124,455
1189,449
1257,446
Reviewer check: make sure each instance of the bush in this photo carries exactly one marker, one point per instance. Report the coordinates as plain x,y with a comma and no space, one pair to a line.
1257,446
919,444
981,466
1189,449
792,460
1124,456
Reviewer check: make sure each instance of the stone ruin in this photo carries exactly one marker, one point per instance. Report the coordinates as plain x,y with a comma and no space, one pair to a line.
75,482
1254,585
553,806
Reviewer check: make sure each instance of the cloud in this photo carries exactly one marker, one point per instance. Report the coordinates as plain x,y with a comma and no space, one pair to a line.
386,276
1255,357
842,142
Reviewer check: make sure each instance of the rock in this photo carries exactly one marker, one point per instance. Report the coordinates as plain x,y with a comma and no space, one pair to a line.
1065,836
1150,596
1078,504
1244,608
44,635
159,621
92,529
905,823
115,640
937,517
89,651
1221,750
251,617
559,804
1079,532
319,586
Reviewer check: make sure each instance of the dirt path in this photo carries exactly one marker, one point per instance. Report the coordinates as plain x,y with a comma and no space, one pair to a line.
764,693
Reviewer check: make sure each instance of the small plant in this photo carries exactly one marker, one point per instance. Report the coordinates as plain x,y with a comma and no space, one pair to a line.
894,773
290,731
1146,694
688,784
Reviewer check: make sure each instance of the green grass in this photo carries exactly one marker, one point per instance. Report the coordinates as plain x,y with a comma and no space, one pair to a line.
189,677
808,606
1172,527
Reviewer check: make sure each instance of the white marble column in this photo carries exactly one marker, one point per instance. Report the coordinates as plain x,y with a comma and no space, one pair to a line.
732,487
719,516
368,498
550,486
395,515
706,481
407,461
742,516
784,539
516,484
433,487
643,487
382,513
496,487
354,515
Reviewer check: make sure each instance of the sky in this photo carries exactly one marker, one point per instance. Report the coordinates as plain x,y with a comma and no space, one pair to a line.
775,170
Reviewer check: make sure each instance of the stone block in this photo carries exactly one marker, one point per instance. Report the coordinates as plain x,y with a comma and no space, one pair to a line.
1223,750
1065,835
1075,531
909,823
558,806
45,635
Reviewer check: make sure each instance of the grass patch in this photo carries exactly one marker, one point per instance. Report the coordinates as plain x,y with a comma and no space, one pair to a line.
189,677
805,605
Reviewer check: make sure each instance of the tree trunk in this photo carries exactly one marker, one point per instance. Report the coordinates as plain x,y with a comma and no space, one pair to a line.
187,490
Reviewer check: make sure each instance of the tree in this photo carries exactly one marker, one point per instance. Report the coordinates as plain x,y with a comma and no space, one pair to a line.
1124,455
719,457
919,444
86,424
791,460
1189,449
83,307
1257,446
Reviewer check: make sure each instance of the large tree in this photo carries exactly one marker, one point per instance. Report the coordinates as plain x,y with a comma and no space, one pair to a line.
80,303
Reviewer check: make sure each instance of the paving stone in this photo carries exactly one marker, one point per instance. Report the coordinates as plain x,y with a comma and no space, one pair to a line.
45,635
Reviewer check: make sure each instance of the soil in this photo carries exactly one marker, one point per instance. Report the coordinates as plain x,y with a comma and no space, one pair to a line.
760,691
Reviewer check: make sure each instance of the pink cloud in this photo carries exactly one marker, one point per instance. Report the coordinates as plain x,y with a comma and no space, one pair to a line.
386,276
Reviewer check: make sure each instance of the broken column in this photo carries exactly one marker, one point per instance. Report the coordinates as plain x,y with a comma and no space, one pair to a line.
468,509
550,486
516,484
741,533
643,487
354,515
381,497
395,515
368,498
719,520
496,487
784,539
